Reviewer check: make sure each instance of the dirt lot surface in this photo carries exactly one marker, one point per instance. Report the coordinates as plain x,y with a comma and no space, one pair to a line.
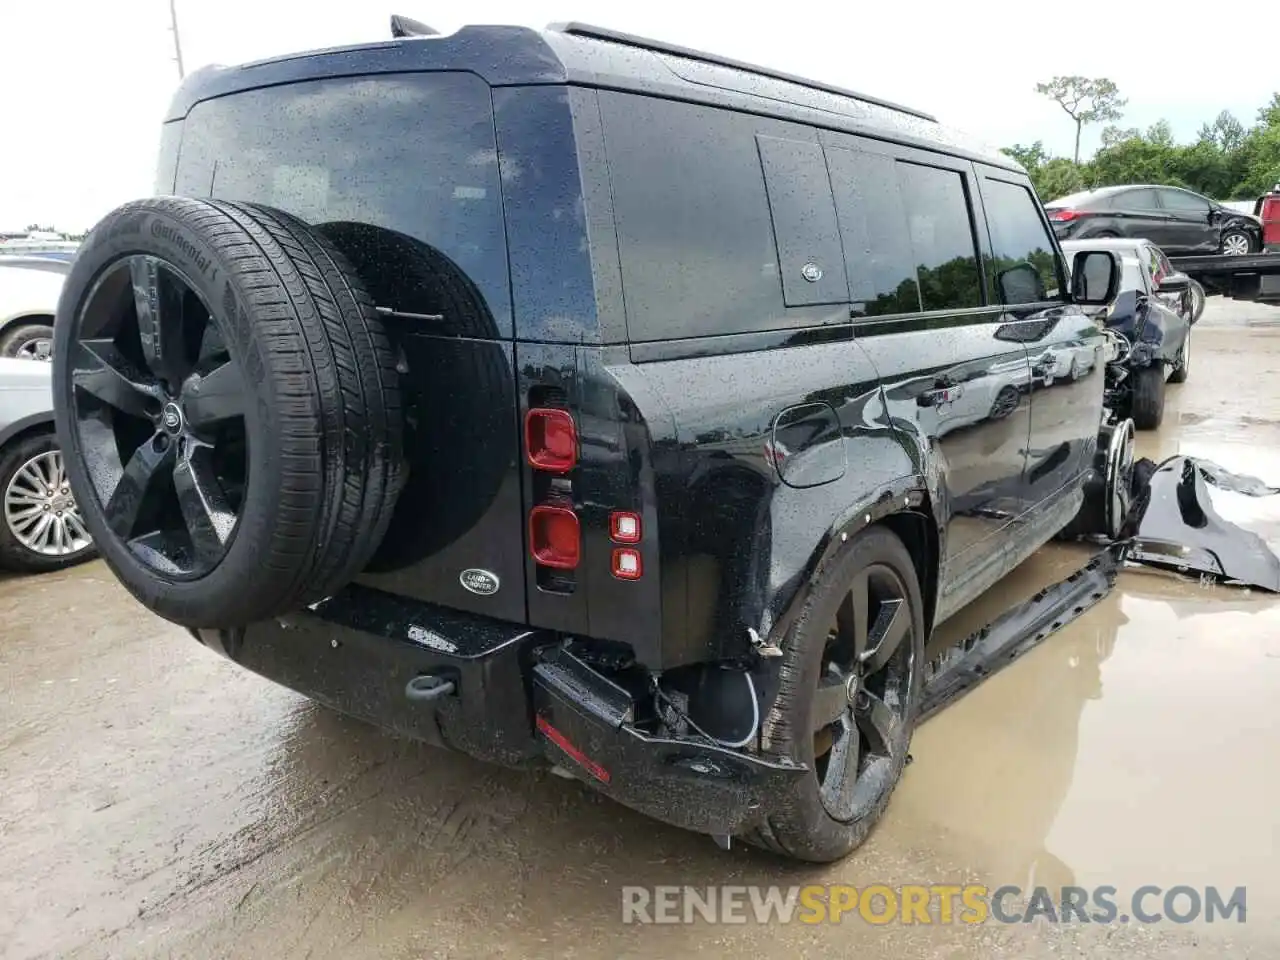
156,801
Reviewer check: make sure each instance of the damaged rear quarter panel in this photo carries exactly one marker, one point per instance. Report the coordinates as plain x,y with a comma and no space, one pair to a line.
737,542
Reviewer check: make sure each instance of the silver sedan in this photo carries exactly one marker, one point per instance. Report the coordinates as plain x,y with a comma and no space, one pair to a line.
40,526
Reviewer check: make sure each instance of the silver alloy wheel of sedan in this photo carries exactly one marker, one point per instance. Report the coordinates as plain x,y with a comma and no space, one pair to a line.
1235,245
40,510
36,350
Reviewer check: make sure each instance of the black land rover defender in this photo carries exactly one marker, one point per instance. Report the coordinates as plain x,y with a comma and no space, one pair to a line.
569,397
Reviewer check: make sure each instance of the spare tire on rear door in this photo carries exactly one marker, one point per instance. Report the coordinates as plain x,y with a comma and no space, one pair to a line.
228,406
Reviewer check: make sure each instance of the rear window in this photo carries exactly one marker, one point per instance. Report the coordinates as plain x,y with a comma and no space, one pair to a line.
393,163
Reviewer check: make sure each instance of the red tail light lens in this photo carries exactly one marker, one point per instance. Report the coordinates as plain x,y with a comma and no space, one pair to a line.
554,537
624,527
564,743
627,564
1064,216
550,439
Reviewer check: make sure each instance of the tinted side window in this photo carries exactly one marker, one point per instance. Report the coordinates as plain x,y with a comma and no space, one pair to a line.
1019,240
694,231
1183,202
941,237
873,228
401,171
804,221
1136,200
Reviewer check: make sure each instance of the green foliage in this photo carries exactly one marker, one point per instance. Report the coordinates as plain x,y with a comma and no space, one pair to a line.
1227,161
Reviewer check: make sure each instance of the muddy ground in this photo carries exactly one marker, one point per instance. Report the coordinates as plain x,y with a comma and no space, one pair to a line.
156,801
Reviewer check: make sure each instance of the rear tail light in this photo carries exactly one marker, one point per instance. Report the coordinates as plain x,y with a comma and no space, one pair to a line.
550,439
554,537
627,564
624,527
1064,216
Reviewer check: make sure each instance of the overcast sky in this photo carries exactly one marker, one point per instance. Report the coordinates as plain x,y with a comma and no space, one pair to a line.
83,83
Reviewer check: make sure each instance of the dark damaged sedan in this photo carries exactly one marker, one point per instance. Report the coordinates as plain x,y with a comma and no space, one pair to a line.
1180,221
1151,320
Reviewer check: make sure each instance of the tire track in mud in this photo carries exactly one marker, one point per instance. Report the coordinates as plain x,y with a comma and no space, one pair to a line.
351,854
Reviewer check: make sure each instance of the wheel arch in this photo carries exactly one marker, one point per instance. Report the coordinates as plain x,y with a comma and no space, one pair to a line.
29,426
25,319
905,508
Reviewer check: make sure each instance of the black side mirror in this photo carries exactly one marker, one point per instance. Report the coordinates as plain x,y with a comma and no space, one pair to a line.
1095,277
1174,283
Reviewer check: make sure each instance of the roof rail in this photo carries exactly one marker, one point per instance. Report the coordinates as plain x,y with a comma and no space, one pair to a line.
576,29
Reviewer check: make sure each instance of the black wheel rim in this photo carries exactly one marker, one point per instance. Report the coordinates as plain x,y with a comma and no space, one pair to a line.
1005,403
861,708
158,409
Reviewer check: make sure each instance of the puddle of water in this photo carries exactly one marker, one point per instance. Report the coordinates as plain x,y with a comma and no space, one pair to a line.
1138,746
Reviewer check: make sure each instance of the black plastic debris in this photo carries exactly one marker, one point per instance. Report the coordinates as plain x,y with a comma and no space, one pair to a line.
1175,526
1172,526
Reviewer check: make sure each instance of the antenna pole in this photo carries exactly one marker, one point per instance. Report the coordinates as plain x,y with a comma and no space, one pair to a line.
177,43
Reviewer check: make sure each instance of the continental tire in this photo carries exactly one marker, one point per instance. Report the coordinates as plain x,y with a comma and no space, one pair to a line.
228,406
865,621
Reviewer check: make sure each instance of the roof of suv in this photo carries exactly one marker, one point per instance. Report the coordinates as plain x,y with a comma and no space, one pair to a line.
583,55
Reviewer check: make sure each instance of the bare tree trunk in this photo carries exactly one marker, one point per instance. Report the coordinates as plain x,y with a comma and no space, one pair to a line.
1077,158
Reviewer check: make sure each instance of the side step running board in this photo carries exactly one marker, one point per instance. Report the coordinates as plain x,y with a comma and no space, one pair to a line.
1018,630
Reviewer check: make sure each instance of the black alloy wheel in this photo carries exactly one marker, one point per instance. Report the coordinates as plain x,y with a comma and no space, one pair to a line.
860,712
851,678
158,407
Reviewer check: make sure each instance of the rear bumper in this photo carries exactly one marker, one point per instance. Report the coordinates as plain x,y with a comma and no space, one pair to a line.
519,698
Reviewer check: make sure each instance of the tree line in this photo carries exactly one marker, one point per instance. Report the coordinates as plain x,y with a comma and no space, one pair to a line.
1227,161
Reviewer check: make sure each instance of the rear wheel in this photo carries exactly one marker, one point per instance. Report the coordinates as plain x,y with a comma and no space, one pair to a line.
41,528
228,406
1236,243
1147,405
31,341
846,706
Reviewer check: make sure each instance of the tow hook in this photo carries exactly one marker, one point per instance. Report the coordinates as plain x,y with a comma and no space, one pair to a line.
430,686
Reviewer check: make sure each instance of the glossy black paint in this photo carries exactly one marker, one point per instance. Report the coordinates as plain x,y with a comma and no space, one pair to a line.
1179,221
462,505
358,650
776,315
1176,527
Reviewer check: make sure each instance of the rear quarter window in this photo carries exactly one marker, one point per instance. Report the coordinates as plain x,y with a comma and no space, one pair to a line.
392,164
696,232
